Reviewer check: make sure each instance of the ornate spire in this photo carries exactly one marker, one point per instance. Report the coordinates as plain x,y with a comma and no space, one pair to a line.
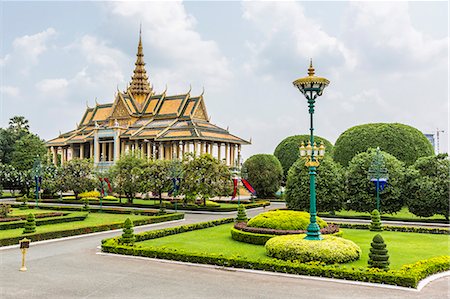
139,81
311,68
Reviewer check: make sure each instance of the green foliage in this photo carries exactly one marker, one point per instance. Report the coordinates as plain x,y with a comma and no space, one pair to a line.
375,224
427,186
378,256
25,151
77,176
330,187
50,179
127,175
283,219
4,210
30,226
241,214
330,250
287,151
248,237
45,221
265,174
402,141
156,177
405,229
92,194
361,192
204,177
128,235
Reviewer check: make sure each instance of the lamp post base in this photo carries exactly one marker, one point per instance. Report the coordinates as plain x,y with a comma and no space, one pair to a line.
313,232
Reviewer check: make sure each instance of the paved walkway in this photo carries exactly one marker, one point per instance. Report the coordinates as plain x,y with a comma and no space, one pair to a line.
72,268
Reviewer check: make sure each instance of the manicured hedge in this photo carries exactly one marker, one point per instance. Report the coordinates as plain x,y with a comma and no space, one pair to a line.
383,217
408,276
247,237
284,220
88,230
393,228
264,173
44,221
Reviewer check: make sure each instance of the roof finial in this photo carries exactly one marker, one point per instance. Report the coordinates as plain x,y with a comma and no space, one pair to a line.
190,88
96,103
311,68
87,104
165,90
203,91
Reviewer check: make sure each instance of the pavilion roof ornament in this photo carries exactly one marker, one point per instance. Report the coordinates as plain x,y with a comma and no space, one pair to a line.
139,84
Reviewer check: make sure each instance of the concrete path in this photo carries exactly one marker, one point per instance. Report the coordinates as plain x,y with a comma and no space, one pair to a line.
72,268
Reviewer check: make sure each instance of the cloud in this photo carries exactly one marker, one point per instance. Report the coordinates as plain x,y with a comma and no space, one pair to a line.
11,91
52,85
170,30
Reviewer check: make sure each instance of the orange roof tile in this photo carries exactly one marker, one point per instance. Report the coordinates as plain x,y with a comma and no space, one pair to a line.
170,106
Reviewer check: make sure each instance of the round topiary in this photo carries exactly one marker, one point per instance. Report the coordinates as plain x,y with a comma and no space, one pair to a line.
241,214
402,141
30,225
375,224
330,188
378,256
284,219
330,250
287,151
361,192
264,174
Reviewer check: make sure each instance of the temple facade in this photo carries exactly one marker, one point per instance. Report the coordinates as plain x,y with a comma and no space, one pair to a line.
159,126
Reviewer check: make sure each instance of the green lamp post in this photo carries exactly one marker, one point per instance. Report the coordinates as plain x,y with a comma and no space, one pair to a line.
312,87
378,174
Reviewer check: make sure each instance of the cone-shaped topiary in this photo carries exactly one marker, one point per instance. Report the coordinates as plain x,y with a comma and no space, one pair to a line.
241,214
30,226
128,235
378,256
375,225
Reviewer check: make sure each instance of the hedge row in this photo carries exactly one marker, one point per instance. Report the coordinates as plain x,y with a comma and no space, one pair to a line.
330,229
408,277
88,230
24,217
389,218
405,229
45,221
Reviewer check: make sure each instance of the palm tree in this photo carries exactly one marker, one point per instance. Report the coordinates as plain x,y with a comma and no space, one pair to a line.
19,123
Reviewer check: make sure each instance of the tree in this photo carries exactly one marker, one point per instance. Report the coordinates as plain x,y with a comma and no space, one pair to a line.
265,174
127,237
18,124
427,186
287,151
127,175
6,146
378,256
25,151
361,192
30,225
204,177
156,177
403,142
375,224
77,176
50,179
330,187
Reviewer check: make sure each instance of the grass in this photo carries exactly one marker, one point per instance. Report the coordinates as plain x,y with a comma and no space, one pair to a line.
92,220
403,213
404,248
18,212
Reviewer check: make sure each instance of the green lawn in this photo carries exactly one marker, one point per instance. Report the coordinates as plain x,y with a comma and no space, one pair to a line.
92,220
18,212
404,248
403,213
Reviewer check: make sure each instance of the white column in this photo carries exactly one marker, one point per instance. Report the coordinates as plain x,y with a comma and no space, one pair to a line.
72,152
96,148
55,156
91,150
110,151
117,146
148,150
161,151
219,149
81,150
227,146
154,151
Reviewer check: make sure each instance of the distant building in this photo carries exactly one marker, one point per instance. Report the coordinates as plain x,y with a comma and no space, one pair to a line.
431,138
158,125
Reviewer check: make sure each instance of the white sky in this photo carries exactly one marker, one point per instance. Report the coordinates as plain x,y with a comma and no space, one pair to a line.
387,62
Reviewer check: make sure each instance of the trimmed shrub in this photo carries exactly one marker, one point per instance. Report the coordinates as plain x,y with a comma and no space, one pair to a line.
284,220
330,250
30,226
378,256
402,141
4,210
128,235
427,186
404,229
264,174
94,194
361,192
375,224
241,214
287,151
330,186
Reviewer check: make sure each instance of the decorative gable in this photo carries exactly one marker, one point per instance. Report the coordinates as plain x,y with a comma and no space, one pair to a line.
200,111
120,110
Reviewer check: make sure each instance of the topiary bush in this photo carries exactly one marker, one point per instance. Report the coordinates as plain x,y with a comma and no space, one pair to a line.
128,235
30,226
94,194
361,192
427,186
264,174
330,187
287,151
402,141
375,224
241,214
378,256
284,219
330,250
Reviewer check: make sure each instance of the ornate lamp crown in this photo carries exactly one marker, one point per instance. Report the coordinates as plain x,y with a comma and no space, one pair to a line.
311,86
312,153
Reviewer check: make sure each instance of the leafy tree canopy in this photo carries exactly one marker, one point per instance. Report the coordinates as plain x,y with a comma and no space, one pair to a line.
265,174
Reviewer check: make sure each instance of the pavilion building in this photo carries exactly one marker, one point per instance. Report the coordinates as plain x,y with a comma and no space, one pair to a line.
159,126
